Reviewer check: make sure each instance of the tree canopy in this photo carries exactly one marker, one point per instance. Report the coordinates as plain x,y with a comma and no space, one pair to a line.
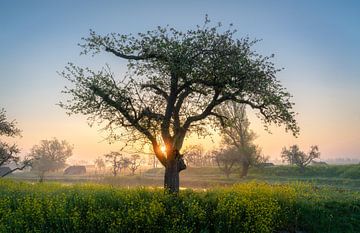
10,153
8,128
294,155
236,133
50,155
175,81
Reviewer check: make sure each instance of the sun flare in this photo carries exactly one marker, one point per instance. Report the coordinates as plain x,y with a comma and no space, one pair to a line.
163,149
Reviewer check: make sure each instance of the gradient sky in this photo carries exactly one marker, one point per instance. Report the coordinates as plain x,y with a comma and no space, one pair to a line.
316,42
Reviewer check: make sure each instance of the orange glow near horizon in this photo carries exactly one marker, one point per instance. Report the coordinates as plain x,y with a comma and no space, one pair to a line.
89,143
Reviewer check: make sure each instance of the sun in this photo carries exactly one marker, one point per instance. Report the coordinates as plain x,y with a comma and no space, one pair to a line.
163,149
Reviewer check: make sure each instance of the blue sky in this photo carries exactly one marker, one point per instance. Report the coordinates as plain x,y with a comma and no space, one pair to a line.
316,42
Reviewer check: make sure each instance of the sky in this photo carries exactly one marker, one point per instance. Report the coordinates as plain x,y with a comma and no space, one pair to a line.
316,42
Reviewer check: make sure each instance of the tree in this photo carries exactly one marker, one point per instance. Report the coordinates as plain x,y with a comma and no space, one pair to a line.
175,81
194,155
293,155
117,161
236,132
135,162
152,160
99,163
49,155
9,153
226,159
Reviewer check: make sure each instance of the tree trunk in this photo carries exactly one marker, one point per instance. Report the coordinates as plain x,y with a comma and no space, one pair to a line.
172,170
227,174
41,177
302,168
245,168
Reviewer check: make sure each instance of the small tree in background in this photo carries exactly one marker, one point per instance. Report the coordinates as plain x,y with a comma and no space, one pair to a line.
153,161
226,160
134,163
49,155
293,155
194,155
114,158
235,132
118,162
100,163
9,153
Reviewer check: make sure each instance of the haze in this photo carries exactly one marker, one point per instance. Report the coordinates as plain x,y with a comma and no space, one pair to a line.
315,43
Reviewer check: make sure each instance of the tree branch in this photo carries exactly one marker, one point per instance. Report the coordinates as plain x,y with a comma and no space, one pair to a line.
17,168
205,113
129,57
134,122
157,89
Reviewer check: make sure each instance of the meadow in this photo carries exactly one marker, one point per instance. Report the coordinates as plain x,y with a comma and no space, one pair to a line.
248,207
338,176
272,199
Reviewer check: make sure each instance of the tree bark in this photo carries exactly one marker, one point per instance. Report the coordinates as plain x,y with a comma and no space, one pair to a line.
175,164
245,168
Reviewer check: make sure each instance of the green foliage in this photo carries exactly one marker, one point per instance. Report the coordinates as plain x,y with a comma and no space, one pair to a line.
293,155
7,128
353,172
10,153
250,207
175,81
324,171
50,155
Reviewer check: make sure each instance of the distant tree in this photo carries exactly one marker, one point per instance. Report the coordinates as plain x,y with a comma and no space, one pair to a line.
226,160
9,153
293,155
117,161
153,161
175,81
49,155
236,132
194,155
125,162
135,162
261,160
99,163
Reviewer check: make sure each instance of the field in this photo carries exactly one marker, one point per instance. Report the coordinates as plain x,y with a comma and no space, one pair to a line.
339,176
271,199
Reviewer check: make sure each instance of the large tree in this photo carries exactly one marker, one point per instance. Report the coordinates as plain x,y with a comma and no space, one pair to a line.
9,154
49,155
175,80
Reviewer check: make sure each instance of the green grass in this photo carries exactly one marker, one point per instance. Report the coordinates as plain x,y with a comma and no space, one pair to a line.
339,176
248,207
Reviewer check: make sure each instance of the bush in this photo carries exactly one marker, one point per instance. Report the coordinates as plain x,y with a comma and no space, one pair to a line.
248,207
